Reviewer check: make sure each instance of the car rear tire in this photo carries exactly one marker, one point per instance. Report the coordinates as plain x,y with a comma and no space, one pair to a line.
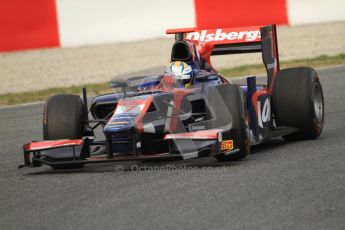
236,103
298,102
63,118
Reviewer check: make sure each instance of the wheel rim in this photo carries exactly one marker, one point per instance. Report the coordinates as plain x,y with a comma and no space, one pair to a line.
318,102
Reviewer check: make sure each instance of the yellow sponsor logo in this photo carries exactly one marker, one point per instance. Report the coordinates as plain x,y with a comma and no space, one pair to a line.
227,145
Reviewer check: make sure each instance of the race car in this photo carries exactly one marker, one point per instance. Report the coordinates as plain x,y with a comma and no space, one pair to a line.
188,111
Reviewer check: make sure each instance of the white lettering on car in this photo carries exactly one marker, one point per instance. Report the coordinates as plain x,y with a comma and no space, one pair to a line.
264,115
219,35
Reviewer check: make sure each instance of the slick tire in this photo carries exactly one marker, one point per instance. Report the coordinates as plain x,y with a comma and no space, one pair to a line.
236,103
298,102
63,119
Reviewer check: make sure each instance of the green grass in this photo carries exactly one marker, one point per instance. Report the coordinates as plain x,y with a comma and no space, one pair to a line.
259,69
100,88
42,95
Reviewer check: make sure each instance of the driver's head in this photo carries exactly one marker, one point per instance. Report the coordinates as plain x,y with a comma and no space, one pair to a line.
182,73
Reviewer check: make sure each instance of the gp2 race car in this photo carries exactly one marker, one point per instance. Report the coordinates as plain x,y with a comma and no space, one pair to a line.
154,118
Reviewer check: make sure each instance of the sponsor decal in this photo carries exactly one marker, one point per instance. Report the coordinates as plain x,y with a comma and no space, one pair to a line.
227,145
264,114
132,109
272,65
212,77
118,123
223,36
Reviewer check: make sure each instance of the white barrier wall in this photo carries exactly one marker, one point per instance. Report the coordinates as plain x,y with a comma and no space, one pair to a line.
86,22
94,21
315,11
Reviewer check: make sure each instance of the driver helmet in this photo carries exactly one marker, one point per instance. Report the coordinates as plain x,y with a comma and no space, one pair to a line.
182,73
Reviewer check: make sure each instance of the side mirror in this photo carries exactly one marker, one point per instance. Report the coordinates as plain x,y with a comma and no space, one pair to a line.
118,84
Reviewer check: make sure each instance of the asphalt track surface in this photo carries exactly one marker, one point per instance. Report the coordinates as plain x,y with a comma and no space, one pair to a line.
297,185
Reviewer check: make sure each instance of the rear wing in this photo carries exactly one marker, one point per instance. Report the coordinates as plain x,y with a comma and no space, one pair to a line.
225,41
237,40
